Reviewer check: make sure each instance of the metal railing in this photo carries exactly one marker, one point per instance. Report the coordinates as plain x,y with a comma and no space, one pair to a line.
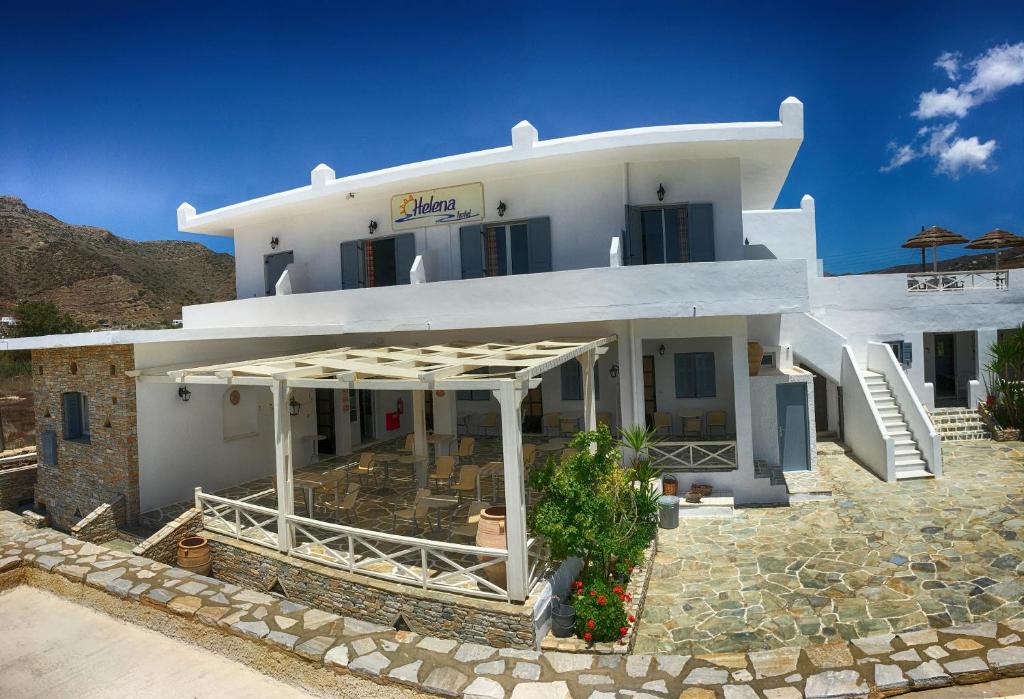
712,456
238,519
958,281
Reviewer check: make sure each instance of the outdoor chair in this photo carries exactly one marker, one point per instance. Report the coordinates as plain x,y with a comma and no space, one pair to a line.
529,454
468,475
693,427
467,445
567,453
717,420
410,443
551,424
663,423
605,419
365,469
489,424
567,426
468,530
414,515
444,468
298,494
342,508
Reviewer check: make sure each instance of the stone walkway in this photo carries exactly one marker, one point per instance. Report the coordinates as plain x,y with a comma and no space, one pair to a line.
889,663
877,558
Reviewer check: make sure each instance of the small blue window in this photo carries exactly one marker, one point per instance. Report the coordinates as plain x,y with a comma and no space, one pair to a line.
572,381
695,375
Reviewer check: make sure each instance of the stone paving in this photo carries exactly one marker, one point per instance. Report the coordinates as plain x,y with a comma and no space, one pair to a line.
876,558
886,663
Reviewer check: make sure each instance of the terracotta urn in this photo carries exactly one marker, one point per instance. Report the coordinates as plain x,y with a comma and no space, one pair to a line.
755,352
490,533
194,555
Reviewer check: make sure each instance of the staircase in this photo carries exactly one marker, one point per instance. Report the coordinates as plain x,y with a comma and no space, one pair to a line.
909,461
958,424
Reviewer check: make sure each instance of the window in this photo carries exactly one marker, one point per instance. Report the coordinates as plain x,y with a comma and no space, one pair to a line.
496,250
695,375
903,351
484,394
76,416
572,381
681,233
377,261
768,360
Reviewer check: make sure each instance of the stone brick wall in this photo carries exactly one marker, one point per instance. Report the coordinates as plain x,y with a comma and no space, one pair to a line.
98,526
427,612
16,485
163,546
87,474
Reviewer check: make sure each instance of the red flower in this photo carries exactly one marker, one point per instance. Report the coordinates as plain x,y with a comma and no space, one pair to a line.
592,593
601,600
591,623
617,589
623,631
587,636
627,597
632,619
578,584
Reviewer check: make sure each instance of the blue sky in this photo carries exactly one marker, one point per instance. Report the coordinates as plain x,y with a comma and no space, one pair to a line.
113,114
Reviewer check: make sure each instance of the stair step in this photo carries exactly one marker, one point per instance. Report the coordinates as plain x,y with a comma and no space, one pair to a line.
905,462
910,475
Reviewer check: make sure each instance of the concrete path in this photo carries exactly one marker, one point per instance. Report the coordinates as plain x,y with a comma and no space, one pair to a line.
54,648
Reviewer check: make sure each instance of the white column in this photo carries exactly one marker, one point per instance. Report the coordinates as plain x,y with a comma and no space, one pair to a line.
631,377
741,405
509,398
282,461
586,361
419,423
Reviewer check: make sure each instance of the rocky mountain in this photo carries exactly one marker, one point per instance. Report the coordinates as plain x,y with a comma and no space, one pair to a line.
1008,259
100,278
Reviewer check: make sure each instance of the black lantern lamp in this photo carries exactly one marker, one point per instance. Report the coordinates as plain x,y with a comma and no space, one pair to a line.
661,350
372,227
184,393
614,371
293,406
661,192
274,242
501,208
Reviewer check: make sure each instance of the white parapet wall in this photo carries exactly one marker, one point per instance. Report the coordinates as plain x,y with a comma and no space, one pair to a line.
862,425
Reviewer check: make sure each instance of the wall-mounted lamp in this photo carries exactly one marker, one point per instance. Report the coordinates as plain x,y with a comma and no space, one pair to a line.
184,393
661,192
501,208
274,242
293,406
614,371
372,227
661,351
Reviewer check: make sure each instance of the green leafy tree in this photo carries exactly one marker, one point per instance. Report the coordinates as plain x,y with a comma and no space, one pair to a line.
43,318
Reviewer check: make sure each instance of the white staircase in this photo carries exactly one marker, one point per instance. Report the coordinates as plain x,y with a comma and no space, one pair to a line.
909,461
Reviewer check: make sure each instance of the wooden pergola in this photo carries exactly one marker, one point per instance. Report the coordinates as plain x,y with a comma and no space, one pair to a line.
508,370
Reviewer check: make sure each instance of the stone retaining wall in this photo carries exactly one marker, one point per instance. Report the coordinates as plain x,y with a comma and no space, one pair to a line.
442,614
99,526
17,485
163,546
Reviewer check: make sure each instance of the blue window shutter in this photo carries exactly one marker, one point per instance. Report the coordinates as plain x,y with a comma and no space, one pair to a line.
634,242
539,235
48,441
685,381
702,232
672,247
572,383
72,416
471,248
704,363
597,381
353,267
405,255
908,353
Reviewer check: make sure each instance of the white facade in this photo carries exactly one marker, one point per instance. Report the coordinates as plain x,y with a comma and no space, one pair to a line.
762,284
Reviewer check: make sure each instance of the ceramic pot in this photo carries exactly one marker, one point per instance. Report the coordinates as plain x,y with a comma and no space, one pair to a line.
755,352
669,485
194,555
490,533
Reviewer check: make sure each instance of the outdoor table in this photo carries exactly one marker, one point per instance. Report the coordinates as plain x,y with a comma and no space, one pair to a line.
439,503
442,443
386,458
419,468
312,479
553,445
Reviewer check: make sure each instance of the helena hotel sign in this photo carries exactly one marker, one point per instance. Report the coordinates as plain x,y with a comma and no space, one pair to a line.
437,207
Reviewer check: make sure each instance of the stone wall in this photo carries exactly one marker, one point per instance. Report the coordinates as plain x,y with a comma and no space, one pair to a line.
163,546
88,473
17,486
427,612
98,526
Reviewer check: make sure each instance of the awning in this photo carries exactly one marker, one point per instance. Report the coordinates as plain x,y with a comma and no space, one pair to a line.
454,366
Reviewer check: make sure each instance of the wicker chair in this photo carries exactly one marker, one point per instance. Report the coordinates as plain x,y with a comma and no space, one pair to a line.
414,515
663,423
365,469
468,475
716,423
342,508
468,530
444,468
551,424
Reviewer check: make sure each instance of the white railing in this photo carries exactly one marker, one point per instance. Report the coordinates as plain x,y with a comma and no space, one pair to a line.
431,565
958,281
693,455
240,520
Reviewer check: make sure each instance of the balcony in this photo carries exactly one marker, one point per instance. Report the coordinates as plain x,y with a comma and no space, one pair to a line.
958,281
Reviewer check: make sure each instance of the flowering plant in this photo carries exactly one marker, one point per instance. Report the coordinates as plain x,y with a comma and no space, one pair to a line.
600,611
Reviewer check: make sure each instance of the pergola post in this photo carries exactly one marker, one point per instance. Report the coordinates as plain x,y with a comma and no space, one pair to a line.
587,360
282,461
510,397
419,428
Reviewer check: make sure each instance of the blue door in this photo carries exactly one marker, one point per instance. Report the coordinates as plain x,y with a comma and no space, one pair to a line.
791,401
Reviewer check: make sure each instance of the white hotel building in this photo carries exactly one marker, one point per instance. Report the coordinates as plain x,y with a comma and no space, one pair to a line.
658,252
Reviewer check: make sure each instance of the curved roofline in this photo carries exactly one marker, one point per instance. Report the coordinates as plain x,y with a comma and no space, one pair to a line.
526,146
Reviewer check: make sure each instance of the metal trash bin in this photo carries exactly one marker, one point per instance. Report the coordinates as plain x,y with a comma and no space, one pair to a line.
668,513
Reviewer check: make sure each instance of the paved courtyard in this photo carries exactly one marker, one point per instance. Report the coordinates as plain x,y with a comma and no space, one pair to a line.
876,558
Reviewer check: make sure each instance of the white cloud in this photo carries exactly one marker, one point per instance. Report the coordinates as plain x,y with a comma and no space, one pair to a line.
949,102
949,62
952,155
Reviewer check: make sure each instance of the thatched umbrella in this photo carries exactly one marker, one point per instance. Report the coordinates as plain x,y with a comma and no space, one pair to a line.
996,239
932,238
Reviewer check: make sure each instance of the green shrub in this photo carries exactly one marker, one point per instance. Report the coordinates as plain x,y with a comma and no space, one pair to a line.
600,611
1006,379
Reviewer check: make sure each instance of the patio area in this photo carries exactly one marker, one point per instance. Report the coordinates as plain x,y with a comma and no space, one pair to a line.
877,558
